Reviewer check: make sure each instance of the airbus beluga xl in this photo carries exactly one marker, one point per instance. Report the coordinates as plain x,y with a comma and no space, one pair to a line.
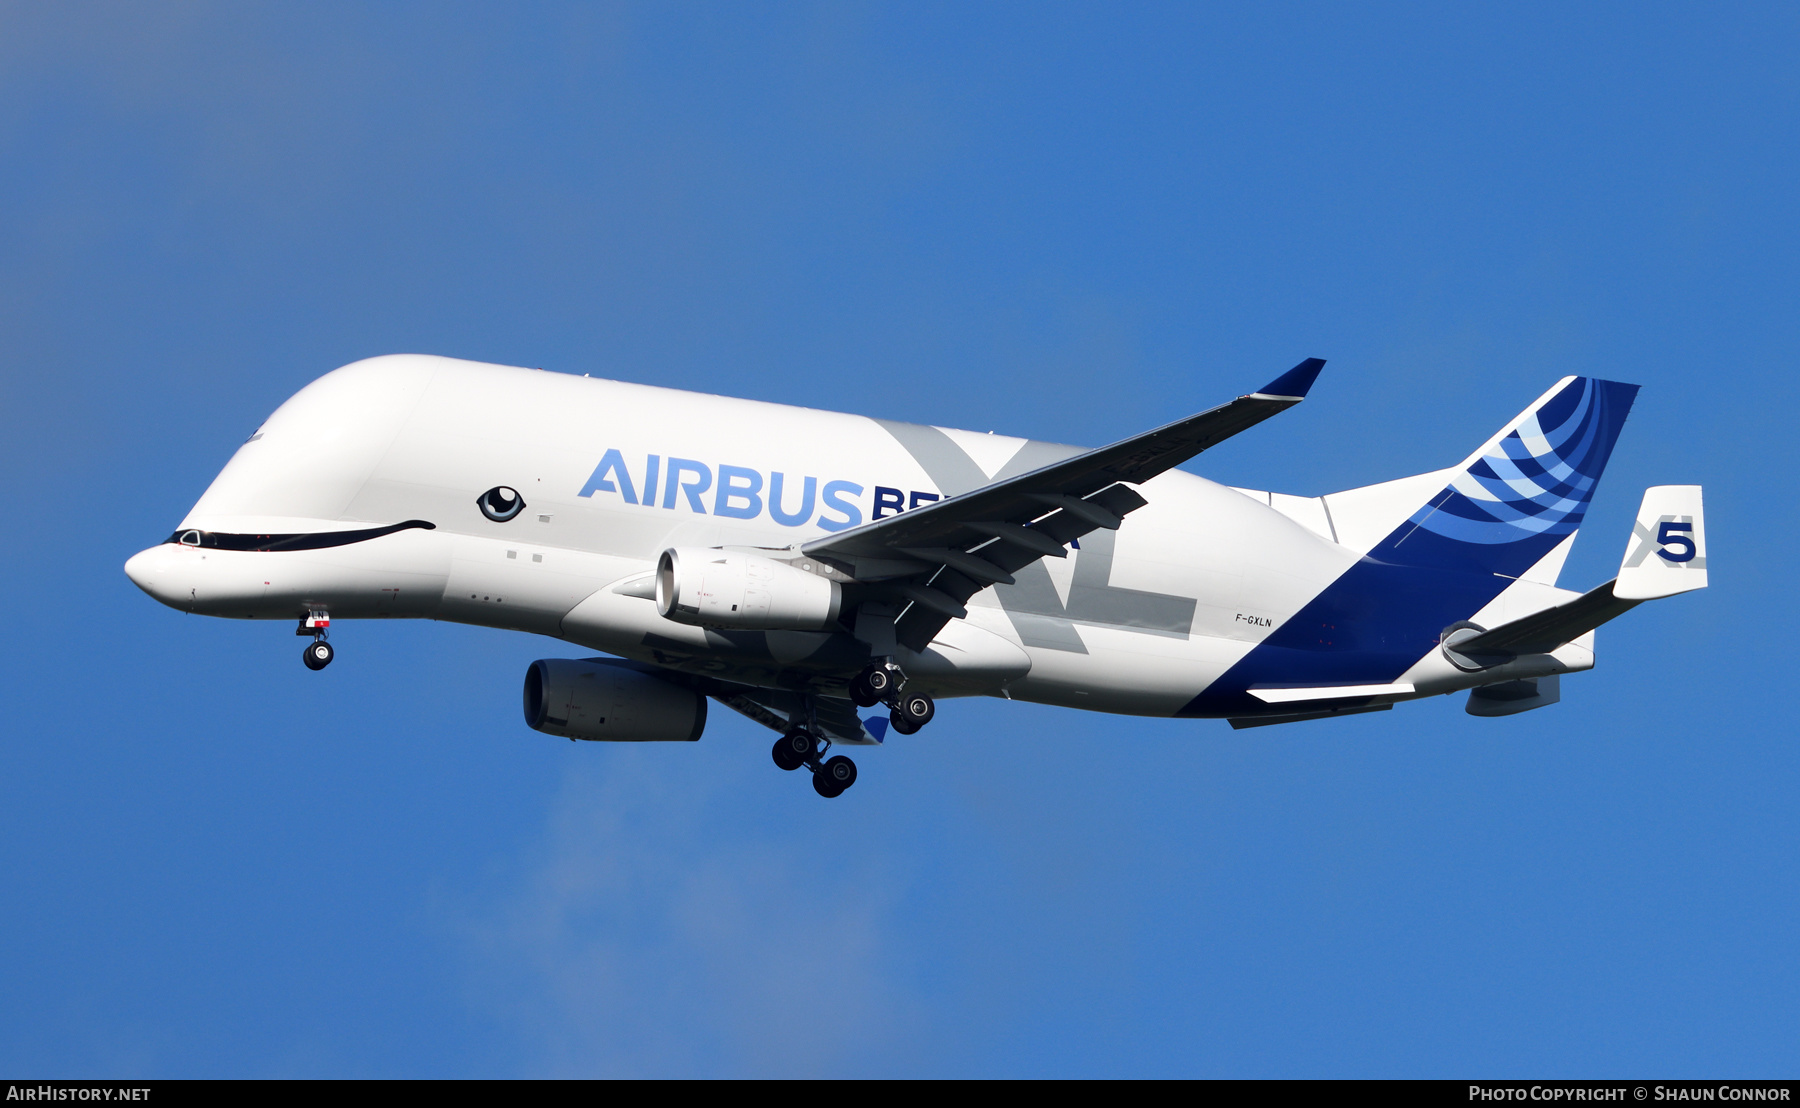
801,566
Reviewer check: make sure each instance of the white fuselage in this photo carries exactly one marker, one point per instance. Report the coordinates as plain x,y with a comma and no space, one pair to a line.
1138,620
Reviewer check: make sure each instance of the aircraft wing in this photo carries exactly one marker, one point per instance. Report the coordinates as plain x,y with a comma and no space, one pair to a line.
927,562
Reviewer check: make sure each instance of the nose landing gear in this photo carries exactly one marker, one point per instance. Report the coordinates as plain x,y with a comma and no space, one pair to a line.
318,653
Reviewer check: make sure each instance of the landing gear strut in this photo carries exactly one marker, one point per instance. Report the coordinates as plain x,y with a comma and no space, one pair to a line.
318,653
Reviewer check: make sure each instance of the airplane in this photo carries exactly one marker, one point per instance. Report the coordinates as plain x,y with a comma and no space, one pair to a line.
800,566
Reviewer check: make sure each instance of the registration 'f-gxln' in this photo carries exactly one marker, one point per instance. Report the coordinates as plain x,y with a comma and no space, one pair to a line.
803,567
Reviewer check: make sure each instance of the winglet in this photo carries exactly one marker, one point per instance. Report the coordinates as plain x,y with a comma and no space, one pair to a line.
1669,525
1294,384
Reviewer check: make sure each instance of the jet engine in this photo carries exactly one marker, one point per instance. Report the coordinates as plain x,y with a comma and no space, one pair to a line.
609,699
722,588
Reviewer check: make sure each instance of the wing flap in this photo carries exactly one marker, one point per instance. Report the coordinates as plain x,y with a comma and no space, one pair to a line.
781,709
920,623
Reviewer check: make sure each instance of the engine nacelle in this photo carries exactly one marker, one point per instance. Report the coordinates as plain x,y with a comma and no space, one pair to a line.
723,588
610,700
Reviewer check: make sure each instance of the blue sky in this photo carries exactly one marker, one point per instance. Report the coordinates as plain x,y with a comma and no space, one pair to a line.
1059,221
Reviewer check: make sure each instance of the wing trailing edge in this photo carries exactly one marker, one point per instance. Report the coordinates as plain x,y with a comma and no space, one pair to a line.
926,563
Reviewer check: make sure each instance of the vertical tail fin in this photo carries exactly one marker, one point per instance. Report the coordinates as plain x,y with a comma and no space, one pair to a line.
1512,501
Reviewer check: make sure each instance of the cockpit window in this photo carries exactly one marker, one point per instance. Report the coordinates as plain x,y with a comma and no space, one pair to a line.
316,540
501,503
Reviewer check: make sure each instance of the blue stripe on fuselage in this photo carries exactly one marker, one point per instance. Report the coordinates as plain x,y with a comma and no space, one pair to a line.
1366,628
1386,611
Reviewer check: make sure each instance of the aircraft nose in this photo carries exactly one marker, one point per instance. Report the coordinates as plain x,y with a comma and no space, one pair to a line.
137,567
152,571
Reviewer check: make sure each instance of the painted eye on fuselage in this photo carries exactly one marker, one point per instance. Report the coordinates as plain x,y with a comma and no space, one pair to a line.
500,503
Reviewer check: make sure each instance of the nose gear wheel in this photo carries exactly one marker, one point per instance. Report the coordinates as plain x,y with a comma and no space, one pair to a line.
318,655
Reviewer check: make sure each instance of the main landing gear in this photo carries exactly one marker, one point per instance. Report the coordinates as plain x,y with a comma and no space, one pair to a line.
318,653
800,748
883,682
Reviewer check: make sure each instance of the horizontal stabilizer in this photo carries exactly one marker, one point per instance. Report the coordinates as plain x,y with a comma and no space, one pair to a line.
1542,632
1666,556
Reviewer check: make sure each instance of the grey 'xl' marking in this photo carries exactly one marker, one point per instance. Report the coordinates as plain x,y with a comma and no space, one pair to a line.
1646,544
1093,600
1037,612
947,464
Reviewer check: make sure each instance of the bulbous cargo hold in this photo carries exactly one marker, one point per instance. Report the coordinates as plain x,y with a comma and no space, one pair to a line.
609,700
724,588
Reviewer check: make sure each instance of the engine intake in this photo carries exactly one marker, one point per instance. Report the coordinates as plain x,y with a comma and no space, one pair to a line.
723,588
610,700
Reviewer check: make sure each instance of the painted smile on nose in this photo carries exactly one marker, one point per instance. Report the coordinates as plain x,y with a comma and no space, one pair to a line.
171,572
314,540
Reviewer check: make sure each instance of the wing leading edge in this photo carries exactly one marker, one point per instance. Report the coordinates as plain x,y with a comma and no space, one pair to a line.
923,565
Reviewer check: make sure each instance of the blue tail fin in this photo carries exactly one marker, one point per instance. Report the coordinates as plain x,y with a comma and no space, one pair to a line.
1493,518
1524,491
